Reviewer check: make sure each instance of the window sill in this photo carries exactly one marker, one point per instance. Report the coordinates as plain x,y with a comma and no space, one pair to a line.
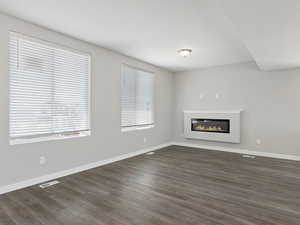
48,138
135,128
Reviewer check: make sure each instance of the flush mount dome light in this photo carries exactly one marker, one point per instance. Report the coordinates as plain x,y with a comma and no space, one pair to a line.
185,52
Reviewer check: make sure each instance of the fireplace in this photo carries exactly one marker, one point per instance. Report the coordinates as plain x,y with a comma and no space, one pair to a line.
221,126
210,125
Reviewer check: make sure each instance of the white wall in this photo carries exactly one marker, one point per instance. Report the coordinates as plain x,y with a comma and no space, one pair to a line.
21,162
270,101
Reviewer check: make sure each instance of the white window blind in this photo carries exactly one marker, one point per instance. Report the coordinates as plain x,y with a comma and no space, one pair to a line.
137,89
49,90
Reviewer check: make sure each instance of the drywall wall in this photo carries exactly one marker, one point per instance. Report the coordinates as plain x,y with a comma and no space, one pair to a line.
269,100
21,162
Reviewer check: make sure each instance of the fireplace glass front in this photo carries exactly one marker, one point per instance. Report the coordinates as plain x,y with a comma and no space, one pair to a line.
210,125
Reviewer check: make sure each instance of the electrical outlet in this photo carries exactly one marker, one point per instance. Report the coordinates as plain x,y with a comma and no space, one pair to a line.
258,141
43,160
217,95
145,139
201,96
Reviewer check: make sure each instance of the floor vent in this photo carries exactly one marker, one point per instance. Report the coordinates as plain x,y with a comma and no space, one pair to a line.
48,184
150,153
249,156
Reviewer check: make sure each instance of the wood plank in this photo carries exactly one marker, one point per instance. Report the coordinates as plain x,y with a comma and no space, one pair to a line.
176,185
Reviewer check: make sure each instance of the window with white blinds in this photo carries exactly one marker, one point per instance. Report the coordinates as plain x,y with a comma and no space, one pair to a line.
49,91
137,90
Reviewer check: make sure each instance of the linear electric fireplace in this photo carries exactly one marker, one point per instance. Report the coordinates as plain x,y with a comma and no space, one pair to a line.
221,126
210,125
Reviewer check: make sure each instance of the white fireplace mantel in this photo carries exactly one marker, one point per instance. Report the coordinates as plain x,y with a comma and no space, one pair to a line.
233,116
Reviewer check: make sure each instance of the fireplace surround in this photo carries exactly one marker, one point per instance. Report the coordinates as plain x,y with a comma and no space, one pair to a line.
223,126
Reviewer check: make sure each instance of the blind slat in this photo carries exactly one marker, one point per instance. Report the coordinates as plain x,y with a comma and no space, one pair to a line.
49,88
137,89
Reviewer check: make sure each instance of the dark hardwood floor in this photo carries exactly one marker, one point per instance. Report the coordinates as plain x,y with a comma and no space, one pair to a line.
176,185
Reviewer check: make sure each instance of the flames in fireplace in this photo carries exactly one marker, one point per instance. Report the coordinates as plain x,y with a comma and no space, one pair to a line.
208,128
210,125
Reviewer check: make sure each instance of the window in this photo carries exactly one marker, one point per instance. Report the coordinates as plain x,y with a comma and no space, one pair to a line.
49,91
136,98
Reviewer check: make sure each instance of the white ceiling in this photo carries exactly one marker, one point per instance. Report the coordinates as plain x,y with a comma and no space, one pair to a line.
219,32
270,30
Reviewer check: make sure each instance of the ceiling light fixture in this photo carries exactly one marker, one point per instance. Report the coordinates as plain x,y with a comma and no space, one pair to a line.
184,52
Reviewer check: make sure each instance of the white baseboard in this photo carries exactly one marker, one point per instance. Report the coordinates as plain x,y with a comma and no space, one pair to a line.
240,151
42,179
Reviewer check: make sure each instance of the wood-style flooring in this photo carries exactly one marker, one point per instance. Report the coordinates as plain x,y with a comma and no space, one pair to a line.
175,186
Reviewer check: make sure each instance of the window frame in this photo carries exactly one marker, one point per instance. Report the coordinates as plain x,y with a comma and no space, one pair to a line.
50,136
142,126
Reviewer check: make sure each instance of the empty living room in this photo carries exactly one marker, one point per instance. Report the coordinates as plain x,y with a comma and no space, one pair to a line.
136,112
